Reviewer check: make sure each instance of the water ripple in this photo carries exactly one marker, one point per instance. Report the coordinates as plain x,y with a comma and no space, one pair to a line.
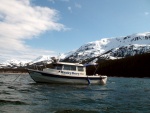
75,111
23,95
3,102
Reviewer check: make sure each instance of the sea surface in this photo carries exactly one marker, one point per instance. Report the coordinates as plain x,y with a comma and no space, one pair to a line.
20,94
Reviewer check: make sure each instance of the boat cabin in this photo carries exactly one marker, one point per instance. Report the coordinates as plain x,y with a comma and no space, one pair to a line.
68,68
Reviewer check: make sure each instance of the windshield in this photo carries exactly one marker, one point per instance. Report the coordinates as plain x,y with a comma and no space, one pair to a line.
58,67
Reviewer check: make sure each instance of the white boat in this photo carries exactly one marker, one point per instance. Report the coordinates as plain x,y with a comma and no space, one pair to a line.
66,73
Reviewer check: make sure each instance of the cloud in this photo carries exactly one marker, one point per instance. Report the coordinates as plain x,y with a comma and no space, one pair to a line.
65,0
70,9
146,13
23,55
53,1
20,21
78,5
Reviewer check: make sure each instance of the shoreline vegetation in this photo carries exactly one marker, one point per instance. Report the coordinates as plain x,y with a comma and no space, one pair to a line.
11,71
134,66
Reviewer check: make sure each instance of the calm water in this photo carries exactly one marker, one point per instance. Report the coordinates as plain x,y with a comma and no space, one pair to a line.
19,94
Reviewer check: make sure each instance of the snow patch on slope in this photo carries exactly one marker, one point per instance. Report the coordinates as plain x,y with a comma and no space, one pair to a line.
42,58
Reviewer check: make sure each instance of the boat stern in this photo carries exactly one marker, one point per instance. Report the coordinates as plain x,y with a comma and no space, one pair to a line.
103,80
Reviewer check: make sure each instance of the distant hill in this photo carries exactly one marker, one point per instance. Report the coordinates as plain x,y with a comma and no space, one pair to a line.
43,59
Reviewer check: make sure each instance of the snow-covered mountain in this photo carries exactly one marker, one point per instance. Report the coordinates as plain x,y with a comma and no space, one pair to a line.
112,48
43,58
17,63
106,48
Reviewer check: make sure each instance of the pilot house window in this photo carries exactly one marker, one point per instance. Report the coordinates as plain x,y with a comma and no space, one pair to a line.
59,67
67,67
80,68
73,68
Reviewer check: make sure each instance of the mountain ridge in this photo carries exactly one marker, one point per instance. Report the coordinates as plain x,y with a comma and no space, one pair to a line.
105,48
111,46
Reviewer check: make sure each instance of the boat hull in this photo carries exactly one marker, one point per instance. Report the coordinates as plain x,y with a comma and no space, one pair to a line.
45,77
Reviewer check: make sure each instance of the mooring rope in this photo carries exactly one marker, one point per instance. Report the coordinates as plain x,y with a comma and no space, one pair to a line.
16,78
88,80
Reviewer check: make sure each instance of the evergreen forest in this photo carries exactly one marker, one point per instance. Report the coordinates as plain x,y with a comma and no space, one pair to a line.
134,66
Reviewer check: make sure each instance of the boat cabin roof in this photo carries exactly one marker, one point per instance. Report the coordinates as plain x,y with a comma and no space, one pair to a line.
66,63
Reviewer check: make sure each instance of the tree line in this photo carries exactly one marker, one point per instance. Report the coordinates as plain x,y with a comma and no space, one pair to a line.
134,66
9,70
